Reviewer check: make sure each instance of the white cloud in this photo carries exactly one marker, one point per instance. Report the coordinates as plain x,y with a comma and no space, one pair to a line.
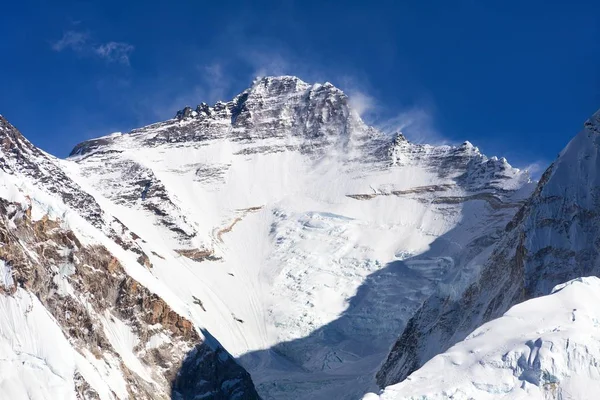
417,123
114,52
80,43
71,40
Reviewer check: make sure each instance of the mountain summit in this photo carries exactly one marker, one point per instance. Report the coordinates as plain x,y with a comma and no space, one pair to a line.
275,112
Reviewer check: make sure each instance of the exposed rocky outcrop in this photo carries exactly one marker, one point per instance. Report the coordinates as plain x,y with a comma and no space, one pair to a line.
198,255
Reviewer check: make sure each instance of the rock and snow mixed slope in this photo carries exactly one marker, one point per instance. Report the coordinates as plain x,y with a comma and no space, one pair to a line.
80,316
552,239
298,236
545,348
281,229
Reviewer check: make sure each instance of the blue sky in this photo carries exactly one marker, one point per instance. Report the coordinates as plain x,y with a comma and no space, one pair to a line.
516,78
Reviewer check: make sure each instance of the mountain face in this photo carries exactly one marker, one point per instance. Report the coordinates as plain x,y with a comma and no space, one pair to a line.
274,246
552,239
298,236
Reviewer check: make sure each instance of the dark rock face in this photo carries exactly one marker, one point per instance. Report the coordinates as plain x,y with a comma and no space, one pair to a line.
213,373
185,113
553,238
89,146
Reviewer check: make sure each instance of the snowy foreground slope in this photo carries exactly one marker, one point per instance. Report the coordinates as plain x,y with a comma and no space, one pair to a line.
545,348
278,229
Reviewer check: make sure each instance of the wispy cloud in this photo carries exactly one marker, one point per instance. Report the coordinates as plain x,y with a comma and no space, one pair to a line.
266,63
416,123
361,102
536,168
215,83
71,40
114,52
80,42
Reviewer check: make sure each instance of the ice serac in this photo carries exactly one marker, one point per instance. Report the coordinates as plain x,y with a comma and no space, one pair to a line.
542,349
79,317
553,238
297,235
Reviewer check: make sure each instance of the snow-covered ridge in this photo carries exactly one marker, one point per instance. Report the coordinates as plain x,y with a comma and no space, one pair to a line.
545,348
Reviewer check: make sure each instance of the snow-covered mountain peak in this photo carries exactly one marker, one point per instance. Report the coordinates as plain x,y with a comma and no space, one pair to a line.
283,114
276,208
273,114
262,88
278,85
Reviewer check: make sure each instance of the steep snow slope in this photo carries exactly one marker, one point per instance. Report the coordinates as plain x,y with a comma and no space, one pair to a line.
545,348
297,235
36,360
552,239
80,315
